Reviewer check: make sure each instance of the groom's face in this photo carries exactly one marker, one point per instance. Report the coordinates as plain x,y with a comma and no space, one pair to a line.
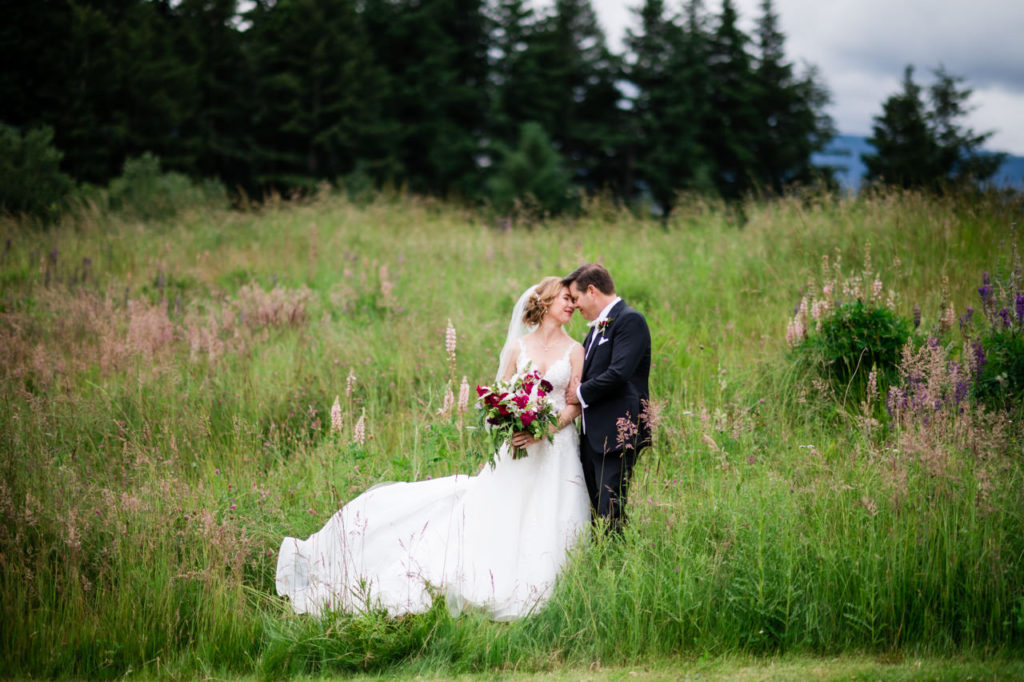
585,303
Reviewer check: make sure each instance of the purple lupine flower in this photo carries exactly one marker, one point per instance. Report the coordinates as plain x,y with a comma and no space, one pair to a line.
960,392
917,316
965,319
979,357
985,290
1005,314
1020,308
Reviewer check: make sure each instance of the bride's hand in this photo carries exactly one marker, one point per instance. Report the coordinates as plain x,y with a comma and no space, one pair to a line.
521,439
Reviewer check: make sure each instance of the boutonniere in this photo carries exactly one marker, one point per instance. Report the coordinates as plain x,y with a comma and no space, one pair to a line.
603,325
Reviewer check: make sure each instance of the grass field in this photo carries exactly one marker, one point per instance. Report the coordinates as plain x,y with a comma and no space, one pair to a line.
164,421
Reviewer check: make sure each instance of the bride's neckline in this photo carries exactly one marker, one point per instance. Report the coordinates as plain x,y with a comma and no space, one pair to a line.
544,373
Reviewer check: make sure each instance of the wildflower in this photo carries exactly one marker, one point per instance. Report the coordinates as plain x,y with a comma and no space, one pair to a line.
917,316
350,383
626,433
979,357
965,319
985,290
336,415
449,402
463,404
359,432
1005,315
876,290
450,341
872,384
1020,308
948,317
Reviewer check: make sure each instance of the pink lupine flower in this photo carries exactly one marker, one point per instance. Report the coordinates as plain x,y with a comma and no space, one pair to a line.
450,340
336,415
359,433
350,383
463,404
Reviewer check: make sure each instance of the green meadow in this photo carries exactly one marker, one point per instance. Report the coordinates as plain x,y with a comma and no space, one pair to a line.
164,422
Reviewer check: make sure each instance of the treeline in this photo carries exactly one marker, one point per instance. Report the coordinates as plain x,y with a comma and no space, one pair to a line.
481,100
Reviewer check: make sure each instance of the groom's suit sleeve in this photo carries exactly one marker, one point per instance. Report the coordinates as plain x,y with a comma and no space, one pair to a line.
631,338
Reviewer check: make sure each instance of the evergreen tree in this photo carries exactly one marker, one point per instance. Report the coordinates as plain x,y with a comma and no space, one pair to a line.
219,133
531,176
959,155
515,72
790,111
730,133
921,144
579,95
435,53
103,75
317,99
665,111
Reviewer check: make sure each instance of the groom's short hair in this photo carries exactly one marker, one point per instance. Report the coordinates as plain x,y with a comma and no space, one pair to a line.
591,273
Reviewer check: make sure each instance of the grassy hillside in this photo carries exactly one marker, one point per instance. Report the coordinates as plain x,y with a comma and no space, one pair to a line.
164,423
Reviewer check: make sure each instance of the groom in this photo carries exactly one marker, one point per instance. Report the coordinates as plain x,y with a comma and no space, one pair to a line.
613,391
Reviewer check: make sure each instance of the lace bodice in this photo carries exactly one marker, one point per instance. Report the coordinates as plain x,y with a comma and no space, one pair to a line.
558,374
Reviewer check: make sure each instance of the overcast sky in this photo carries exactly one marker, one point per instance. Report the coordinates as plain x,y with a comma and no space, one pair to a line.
862,46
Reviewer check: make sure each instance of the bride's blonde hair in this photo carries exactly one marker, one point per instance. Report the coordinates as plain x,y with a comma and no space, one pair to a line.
548,289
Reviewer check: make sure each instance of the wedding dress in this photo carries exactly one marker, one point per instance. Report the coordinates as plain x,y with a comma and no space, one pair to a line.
496,540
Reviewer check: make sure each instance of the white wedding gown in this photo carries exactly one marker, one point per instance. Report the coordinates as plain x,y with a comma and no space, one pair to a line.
496,540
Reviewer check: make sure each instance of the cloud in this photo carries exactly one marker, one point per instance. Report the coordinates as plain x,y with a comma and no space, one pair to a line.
862,46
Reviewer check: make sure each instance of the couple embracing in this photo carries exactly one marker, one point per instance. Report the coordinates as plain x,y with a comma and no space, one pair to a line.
498,540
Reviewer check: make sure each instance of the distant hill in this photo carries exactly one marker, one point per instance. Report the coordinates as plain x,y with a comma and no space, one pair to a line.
845,151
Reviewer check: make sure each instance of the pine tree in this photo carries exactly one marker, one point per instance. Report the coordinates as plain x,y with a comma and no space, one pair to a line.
318,91
219,132
729,135
665,114
790,111
921,144
435,53
579,94
958,146
531,176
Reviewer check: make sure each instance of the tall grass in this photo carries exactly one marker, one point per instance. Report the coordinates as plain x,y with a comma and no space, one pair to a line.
164,423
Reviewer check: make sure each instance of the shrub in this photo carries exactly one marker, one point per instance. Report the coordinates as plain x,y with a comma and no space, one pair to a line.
847,333
146,192
854,339
30,176
531,177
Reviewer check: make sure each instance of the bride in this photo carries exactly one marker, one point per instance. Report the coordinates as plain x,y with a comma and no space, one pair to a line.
495,541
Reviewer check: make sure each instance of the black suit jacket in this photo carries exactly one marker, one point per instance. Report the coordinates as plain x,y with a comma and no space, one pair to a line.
615,373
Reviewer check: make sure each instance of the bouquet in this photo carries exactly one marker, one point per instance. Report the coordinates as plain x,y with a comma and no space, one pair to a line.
517,405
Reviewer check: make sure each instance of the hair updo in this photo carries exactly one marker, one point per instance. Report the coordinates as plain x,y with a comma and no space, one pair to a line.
548,289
